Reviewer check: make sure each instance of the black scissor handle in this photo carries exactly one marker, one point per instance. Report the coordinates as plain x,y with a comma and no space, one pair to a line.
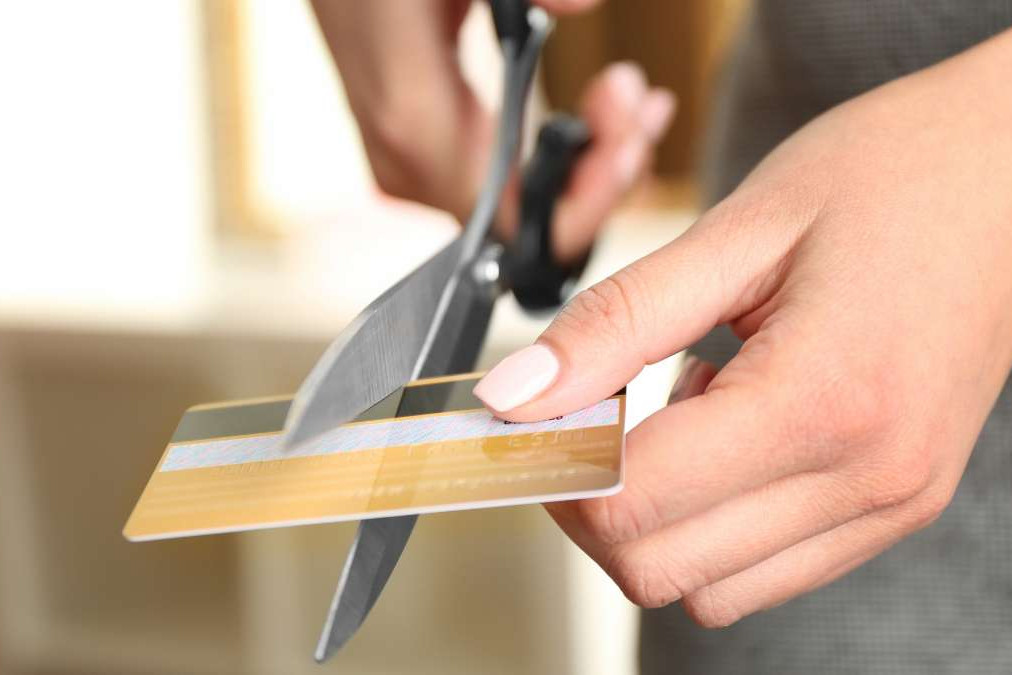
537,279
510,18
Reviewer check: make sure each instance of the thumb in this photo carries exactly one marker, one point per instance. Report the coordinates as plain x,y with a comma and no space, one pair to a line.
662,303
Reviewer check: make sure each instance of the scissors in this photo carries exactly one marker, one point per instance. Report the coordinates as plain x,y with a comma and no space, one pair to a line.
434,320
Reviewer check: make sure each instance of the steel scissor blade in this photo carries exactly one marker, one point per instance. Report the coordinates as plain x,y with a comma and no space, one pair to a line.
448,342
377,353
379,542
386,345
374,554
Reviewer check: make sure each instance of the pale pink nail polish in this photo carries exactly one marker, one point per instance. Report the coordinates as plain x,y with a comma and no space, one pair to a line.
518,378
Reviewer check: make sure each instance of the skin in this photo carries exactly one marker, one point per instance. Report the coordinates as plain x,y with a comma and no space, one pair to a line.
867,264
428,138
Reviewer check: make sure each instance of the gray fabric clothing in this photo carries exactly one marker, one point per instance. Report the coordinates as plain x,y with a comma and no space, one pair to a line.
941,600
798,58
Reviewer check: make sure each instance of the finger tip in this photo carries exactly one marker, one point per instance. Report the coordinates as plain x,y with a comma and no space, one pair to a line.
518,379
658,112
626,82
612,101
664,92
490,400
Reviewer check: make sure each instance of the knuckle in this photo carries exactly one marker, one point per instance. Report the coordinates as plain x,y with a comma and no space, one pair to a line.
708,608
603,306
929,506
911,474
389,127
847,414
640,579
897,477
390,181
610,520
392,171
740,213
398,163
793,199
612,305
744,216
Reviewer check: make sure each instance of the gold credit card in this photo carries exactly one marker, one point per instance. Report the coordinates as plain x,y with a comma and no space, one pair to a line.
430,446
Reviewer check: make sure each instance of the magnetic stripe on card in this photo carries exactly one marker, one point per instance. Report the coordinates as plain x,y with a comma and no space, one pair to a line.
380,434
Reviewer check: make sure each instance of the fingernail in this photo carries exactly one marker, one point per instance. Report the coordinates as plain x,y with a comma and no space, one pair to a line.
518,378
629,82
656,114
684,379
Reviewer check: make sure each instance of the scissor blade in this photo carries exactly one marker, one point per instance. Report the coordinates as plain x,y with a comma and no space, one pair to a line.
374,355
374,554
379,543
459,327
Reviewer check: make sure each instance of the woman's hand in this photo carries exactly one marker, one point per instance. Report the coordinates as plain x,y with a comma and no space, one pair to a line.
429,139
867,264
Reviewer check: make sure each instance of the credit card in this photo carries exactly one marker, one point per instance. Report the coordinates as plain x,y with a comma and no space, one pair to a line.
430,446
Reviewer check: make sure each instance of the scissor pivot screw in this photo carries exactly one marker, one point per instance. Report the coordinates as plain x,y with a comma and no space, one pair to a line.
486,268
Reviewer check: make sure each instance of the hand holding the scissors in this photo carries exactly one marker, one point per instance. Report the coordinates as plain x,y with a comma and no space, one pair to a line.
867,264
429,139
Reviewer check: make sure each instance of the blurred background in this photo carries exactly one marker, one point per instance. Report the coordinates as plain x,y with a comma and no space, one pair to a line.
186,215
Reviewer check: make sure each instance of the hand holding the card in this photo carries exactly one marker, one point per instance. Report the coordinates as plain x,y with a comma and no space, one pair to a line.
428,138
867,264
